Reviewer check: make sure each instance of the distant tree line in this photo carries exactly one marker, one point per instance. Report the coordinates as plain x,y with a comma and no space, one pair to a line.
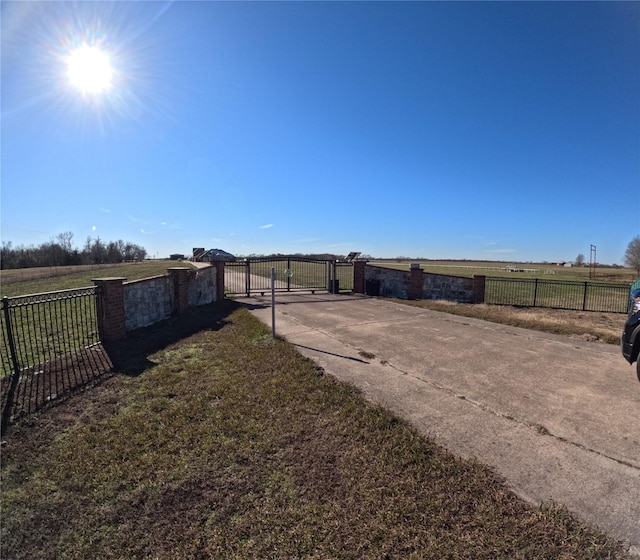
60,252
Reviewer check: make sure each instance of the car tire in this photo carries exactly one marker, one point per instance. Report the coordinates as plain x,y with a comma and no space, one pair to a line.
638,368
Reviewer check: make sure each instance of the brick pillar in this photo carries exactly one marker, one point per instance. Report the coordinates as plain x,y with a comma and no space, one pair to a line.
220,281
180,280
358,276
415,282
110,308
478,288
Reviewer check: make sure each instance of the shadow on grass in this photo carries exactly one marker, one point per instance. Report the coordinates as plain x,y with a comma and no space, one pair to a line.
130,355
50,383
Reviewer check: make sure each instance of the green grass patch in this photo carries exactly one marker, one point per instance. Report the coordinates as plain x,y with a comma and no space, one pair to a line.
229,444
29,281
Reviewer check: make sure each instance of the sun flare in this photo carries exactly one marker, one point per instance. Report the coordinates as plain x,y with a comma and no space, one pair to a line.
89,69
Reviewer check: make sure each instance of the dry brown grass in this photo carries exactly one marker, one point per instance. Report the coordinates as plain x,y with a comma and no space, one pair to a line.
584,325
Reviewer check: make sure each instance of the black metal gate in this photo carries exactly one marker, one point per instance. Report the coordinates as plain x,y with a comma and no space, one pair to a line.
50,346
249,276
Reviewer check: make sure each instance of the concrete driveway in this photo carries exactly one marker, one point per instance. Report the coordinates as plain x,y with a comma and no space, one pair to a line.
559,418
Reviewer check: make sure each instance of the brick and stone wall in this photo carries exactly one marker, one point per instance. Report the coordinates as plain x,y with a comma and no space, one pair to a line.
417,284
202,286
386,282
449,288
125,306
147,301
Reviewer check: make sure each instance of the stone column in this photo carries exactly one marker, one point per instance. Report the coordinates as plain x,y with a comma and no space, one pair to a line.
110,308
415,281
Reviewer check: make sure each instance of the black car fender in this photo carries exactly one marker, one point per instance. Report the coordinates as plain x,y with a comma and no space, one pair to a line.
631,338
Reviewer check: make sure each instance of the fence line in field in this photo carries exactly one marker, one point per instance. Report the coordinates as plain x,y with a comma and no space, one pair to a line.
604,297
15,275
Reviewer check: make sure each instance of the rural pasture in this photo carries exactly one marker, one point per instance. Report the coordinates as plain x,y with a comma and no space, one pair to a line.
44,279
514,270
21,281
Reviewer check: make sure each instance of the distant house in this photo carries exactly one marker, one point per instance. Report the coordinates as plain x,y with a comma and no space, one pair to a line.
212,255
176,257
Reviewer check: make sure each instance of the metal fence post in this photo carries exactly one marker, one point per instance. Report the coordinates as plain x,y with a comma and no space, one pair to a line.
247,277
6,411
584,296
273,302
334,280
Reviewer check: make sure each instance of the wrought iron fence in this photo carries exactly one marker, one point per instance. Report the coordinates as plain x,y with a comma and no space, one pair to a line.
557,294
50,346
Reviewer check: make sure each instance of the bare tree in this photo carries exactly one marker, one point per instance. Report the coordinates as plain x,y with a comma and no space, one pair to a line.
580,260
65,240
632,254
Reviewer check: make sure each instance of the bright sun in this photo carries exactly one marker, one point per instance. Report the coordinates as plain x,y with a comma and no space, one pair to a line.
89,69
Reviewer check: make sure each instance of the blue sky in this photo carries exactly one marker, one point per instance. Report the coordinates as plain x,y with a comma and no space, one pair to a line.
500,131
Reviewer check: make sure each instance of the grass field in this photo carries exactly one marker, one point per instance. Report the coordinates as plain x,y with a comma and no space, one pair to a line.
528,270
35,280
217,441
